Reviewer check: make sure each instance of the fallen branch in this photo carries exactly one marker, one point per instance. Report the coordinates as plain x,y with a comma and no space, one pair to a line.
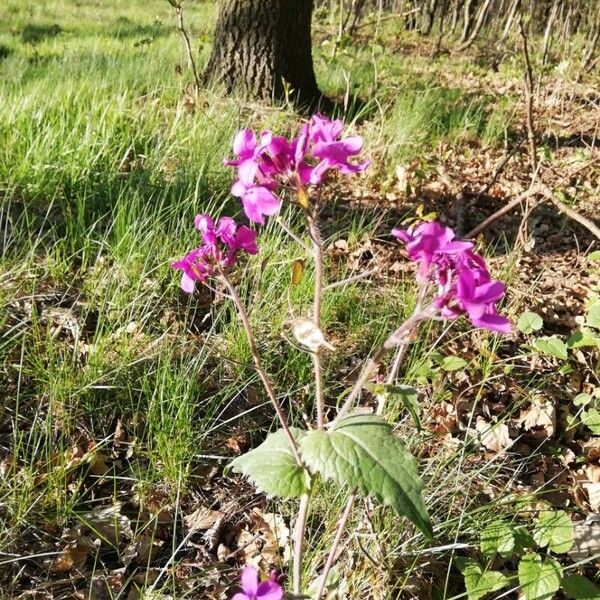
570,212
548,195
532,191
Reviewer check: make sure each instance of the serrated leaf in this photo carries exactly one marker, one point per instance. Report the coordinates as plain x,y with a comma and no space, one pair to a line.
580,588
453,363
497,538
362,452
480,583
539,578
554,529
552,346
591,419
529,322
272,466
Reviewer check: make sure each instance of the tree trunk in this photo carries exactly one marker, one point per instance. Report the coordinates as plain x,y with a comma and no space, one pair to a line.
262,48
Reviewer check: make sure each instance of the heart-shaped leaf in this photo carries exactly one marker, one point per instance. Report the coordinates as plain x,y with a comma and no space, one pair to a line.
539,578
555,530
272,466
362,452
497,538
478,582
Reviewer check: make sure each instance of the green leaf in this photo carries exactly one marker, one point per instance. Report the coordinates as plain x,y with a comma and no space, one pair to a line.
595,255
478,582
539,578
593,315
583,337
529,322
523,539
554,529
453,363
582,399
591,418
580,588
552,346
497,538
272,466
362,452
405,394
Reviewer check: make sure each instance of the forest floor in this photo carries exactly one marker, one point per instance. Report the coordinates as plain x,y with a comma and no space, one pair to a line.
123,399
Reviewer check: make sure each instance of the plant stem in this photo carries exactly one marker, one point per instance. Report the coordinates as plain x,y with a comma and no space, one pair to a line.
315,236
397,337
259,366
299,541
335,545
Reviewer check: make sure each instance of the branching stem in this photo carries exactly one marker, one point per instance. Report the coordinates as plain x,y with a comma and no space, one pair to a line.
258,364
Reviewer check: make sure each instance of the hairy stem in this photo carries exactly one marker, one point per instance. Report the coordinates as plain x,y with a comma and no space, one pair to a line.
259,366
315,236
299,530
335,545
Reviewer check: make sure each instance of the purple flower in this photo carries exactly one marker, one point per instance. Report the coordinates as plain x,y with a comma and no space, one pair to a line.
255,590
461,276
265,165
258,200
221,243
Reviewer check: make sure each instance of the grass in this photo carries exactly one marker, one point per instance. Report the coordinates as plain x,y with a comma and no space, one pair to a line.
115,385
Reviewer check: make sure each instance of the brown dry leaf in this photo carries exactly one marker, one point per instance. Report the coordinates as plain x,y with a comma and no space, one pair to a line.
201,519
540,415
494,436
442,418
72,556
108,524
593,473
591,449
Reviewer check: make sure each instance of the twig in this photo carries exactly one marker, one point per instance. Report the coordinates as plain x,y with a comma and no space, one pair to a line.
570,212
549,195
529,100
532,191
178,6
259,366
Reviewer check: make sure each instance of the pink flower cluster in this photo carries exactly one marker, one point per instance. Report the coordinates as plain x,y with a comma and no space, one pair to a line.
253,589
269,162
221,241
464,284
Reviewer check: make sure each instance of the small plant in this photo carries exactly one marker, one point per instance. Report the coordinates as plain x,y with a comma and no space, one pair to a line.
356,450
539,575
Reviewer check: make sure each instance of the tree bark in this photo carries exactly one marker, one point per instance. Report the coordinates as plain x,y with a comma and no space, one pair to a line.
262,48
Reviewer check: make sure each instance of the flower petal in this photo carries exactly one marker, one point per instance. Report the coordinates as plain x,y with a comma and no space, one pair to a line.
249,579
269,590
244,143
187,283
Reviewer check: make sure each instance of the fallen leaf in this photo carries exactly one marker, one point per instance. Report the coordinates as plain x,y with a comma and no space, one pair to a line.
202,519
494,436
72,556
540,415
